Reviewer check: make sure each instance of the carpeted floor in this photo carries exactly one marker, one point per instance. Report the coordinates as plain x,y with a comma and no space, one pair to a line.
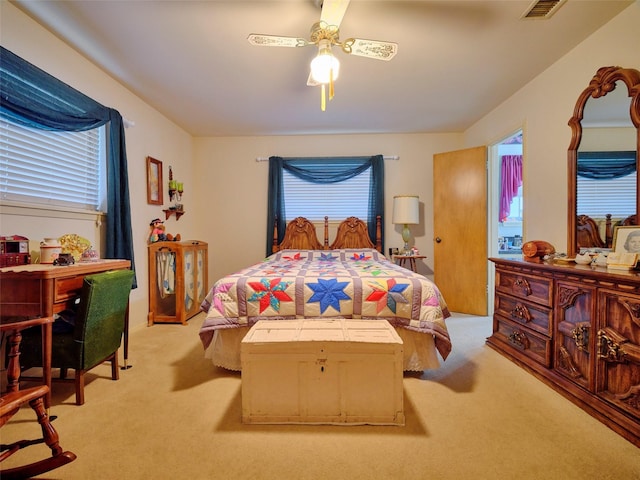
176,416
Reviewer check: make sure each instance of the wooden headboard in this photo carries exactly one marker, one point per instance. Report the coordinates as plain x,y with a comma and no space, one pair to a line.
588,233
352,233
300,235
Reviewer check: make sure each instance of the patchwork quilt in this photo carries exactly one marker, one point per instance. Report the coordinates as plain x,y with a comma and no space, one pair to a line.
349,283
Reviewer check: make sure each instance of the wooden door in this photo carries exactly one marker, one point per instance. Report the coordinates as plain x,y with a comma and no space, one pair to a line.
460,229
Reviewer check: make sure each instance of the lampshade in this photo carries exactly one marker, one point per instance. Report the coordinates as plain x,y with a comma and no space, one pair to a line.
406,210
325,67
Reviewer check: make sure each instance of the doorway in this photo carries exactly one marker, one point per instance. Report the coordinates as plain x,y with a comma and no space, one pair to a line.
506,206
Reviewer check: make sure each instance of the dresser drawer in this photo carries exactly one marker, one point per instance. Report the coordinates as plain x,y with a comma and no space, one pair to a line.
531,315
527,287
530,343
67,287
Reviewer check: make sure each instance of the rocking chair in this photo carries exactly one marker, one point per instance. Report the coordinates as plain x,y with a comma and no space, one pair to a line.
14,399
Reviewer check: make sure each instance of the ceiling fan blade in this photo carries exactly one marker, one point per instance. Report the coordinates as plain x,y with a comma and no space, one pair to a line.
276,41
333,11
370,48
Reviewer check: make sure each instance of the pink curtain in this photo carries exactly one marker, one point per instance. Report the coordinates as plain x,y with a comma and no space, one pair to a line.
510,181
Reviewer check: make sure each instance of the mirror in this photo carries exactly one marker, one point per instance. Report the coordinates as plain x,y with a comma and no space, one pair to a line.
612,100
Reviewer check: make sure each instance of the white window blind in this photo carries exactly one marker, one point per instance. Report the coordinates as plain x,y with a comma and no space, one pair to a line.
337,200
597,197
63,169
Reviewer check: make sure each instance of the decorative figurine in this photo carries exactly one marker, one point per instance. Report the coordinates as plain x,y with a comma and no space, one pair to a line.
157,231
158,234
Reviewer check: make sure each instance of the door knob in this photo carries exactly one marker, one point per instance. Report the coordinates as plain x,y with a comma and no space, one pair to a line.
438,239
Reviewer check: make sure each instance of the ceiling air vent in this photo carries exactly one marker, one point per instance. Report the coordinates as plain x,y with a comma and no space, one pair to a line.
542,9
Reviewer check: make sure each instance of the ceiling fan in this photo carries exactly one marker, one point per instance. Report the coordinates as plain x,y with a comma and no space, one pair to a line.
325,34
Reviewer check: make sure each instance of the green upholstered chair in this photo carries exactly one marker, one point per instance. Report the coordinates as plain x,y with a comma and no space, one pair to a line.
95,335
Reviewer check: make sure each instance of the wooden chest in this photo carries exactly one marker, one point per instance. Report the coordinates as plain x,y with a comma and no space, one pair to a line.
322,371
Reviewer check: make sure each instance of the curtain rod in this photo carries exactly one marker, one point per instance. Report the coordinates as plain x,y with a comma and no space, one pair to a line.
386,157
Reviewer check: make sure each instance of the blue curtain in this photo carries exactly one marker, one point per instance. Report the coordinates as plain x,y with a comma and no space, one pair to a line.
323,170
35,99
606,165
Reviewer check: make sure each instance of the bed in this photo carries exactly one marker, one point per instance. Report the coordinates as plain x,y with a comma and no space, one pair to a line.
306,278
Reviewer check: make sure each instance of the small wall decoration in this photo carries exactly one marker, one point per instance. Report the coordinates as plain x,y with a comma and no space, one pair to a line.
154,181
175,190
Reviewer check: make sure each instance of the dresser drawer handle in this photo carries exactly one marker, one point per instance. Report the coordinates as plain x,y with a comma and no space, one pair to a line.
611,347
521,313
580,336
519,339
523,286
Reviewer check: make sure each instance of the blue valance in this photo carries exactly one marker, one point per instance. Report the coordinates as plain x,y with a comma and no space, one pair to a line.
606,165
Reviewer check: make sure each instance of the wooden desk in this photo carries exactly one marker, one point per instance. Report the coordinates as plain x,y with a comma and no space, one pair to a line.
40,290
403,259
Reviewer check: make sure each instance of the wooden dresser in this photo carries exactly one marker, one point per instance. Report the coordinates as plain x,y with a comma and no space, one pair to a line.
576,328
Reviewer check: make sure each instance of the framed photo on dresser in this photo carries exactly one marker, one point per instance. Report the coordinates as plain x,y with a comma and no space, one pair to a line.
626,239
626,243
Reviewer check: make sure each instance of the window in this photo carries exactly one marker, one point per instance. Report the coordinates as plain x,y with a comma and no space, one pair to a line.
335,200
338,204
61,169
606,183
515,212
597,197
31,97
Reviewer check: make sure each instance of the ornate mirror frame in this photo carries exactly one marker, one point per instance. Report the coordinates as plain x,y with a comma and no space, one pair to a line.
603,82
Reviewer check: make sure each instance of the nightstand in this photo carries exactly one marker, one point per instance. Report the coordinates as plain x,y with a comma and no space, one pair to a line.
403,259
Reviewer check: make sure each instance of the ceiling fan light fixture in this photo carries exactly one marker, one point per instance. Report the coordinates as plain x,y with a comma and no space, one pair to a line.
325,67
325,33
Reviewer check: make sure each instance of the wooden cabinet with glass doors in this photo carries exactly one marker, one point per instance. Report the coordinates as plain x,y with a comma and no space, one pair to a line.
177,280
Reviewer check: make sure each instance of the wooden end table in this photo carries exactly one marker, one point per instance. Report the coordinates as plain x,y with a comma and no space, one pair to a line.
403,259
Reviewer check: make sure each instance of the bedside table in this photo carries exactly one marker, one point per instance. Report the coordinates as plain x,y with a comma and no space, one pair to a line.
403,259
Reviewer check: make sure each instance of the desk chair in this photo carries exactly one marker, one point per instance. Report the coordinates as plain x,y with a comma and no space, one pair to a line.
15,398
93,336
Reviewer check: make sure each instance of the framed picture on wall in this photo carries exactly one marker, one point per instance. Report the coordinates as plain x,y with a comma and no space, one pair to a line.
154,181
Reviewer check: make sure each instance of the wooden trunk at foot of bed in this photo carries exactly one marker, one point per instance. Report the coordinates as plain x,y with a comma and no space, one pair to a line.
336,371
300,234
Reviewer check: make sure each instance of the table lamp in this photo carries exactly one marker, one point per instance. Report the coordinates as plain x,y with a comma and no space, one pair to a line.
406,211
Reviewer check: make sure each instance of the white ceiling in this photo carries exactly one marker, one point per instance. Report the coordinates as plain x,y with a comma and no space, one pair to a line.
456,61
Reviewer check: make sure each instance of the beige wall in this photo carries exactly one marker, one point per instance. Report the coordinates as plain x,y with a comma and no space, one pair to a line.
225,197
544,107
605,139
235,186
